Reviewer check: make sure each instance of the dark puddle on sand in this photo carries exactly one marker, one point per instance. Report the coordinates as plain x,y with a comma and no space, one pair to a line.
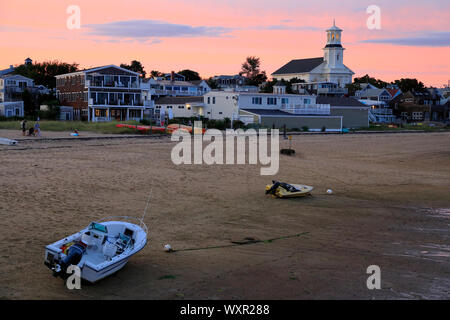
429,251
437,212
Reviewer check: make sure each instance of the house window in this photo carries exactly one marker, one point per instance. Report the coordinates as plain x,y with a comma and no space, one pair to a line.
271,101
214,100
257,100
284,100
100,112
220,112
417,115
209,100
306,101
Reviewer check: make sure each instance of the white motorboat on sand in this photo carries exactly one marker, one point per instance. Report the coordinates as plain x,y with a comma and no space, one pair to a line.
99,250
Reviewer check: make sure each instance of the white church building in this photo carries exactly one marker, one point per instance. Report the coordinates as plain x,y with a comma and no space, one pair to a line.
330,68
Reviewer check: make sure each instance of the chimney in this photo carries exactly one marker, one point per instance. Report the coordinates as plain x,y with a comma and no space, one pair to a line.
172,76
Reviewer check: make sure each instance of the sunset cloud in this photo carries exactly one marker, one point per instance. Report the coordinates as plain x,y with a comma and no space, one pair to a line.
146,29
432,39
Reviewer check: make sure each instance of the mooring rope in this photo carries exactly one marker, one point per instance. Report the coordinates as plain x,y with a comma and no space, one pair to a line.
249,242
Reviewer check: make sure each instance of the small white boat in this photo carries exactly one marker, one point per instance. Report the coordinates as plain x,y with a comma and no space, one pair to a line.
8,142
99,250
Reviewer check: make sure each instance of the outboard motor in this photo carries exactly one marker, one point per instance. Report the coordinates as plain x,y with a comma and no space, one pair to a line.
74,255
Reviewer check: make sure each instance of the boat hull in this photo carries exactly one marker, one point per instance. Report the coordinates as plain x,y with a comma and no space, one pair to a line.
92,275
282,193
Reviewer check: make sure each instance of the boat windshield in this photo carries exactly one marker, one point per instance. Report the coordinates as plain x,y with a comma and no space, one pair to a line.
98,227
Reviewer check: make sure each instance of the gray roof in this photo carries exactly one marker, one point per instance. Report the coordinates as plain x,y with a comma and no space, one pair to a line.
7,71
372,92
340,102
178,100
196,82
299,66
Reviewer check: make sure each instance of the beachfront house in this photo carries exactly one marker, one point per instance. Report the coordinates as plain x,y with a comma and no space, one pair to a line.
374,94
161,88
414,106
104,94
179,107
292,110
12,87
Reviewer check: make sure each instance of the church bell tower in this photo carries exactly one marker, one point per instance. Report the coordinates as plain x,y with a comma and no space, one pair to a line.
334,52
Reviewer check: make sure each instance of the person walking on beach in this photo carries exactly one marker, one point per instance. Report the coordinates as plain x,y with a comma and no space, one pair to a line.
37,129
23,126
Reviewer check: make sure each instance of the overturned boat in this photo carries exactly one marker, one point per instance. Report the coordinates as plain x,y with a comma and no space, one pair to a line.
100,249
288,190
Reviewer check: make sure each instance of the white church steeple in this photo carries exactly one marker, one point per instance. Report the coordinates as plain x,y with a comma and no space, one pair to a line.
334,52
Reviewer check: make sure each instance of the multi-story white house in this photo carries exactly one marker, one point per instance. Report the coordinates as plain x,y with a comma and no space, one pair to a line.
160,88
329,68
12,87
292,110
180,107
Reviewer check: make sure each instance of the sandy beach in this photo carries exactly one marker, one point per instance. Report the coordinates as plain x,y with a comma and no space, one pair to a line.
390,207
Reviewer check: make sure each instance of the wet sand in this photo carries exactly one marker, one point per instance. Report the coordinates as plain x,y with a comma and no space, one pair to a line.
389,208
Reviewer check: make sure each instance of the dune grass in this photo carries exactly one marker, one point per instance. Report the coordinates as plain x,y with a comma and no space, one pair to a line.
81,126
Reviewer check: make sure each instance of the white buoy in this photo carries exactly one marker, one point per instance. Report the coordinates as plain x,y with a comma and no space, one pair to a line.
168,248
329,191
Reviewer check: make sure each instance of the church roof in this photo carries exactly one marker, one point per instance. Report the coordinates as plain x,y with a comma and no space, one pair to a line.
299,66
334,28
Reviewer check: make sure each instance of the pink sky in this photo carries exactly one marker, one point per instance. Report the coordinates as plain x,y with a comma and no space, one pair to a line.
214,37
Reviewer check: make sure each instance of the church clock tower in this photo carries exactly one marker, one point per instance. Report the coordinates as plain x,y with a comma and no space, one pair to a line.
334,53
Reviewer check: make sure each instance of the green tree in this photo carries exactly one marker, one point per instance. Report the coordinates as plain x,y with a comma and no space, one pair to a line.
357,82
156,74
373,81
135,66
212,83
251,70
408,84
44,73
190,75
29,103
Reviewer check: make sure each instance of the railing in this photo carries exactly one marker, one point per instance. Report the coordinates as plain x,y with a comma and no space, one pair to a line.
332,90
176,92
14,104
382,111
119,103
322,109
114,84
